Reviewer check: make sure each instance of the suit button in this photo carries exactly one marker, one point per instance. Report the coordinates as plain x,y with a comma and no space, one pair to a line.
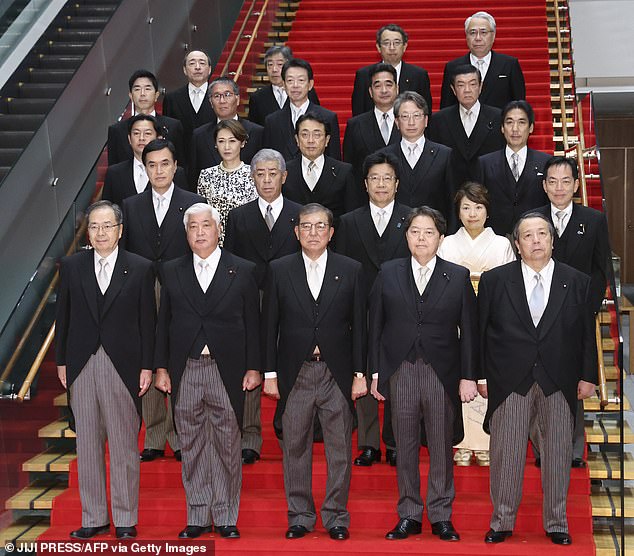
316,328
515,204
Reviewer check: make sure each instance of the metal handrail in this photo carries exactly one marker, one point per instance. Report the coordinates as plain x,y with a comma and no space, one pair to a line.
225,69
254,34
560,68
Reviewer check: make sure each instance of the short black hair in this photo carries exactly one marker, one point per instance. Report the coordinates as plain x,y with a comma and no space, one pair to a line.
297,63
138,74
377,158
148,118
381,67
439,220
465,69
196,50
394,28
278,49
118,213
411,96
519,105
526,216
158,145
562,161
311,116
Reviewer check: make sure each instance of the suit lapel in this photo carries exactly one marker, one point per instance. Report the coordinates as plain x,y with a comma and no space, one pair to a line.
438,281
148,221
456,129
517,294
223,278
299,283
499,170
257,229
280,231
480,131
425,162
189,283
531,169
403,277
395,230
329,286
558,292
89,283
368,234
574,233
370,132
118,279
173,219
492,72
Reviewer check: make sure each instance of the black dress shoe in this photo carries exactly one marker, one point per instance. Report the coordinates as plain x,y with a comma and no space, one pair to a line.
150,454
390,457
125,532
194,531
496,536
296,532
403,529
228,531
538,462
339,533
367,457
578,463
445,530
89,532
560,538
249,456
177,455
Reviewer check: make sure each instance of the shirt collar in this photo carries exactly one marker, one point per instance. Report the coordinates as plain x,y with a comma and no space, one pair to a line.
110,259
474,59
379,115
387,208
319,162
321,261
300,109
405,144
546,273
191,88
167,195
475,110
554,210
213,259
235,117
522,153
276,205
134,112
431,265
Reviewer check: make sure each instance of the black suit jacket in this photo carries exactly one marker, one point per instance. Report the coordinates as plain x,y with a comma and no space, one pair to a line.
335,188
279,133
446,128
431,182
293,324
263,102
247,235
124,327
363,137
510,199
142,235
227,315
205,155
119,147
177,105
119,182
356,237
564,340
585,246
503,83
412,78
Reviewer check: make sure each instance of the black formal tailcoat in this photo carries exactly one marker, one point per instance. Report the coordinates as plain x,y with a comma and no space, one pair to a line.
293,323
363,137
511,345
119,148
263,102
446,128
412,78
335,188
509,199
227,315
142,235
247,236
431,182
279,133
124,326
356,237
205,155
585,246
503,83
119,182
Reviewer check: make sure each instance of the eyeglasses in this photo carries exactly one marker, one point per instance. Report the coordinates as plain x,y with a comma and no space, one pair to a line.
395,43
416,115
374,179
317,135
102,227
484,33
226,95
319,227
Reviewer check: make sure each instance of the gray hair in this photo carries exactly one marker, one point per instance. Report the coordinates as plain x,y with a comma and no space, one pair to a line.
312,208
411,96
480,15
225,81
198,208
268,155
285,51
118,214
526,216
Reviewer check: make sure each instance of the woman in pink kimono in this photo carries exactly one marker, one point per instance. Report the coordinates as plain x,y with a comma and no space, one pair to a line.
477,248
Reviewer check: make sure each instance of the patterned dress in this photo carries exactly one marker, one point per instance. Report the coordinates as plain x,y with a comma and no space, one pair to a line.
226,189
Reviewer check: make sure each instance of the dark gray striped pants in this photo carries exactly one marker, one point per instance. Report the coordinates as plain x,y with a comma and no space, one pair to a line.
251,422
104,409
510,425
210,445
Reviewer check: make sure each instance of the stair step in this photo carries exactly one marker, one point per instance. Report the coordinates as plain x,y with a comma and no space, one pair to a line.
46,75
41,90
64,48
607,465
73,35
56,429
37,496
84,22
29,105
25,529
20,122
15,139
608,537
61,400
606,501
594,404
94,10
603,431
55,61
54,459
9,156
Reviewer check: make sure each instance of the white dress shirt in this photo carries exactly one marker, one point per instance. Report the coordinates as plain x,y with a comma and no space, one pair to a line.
521,161
109,263
390,119
374,211
565,219
420,145
140,175
297,111
276,207
546,275
212,260
398,70
317,170
485,65
156,198
280,95
197,99
469,123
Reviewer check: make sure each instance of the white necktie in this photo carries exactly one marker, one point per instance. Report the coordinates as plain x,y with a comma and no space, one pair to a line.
141,179
280,96
412,156
385,129
536,301
161,209
197,99
480,64
102,276
515,168
313,279
268,217
381,222
296,115
421,280
311,175
469,123
204,278
559,225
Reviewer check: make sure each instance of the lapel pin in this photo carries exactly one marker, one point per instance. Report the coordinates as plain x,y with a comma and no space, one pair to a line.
232,271
125,271
581,230
565,285
180,209
336,278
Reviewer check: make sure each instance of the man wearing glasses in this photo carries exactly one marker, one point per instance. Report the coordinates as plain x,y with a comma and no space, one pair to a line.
502,77
314,323
105,318
391,43
425,173
224,96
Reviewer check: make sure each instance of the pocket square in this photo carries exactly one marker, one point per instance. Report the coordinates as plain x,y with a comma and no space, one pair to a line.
502,76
